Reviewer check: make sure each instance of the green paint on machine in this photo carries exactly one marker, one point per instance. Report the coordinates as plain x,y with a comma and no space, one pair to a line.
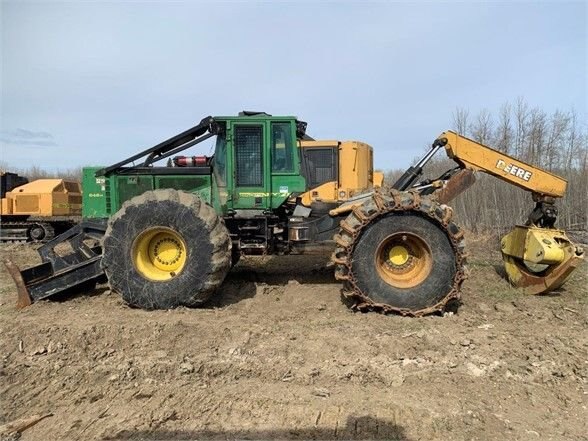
256,165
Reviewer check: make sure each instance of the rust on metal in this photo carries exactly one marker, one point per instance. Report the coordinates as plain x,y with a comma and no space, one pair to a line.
23,297
456,185
551,279
380,202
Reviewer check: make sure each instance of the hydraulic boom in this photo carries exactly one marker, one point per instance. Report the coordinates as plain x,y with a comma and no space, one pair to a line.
537,256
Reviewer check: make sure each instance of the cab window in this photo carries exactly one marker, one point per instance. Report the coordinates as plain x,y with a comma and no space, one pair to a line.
220,159
282,146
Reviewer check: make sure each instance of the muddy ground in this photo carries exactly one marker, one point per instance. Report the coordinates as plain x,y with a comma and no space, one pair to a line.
278,356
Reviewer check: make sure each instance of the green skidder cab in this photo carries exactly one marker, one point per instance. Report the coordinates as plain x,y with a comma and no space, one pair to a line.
255,166
164,229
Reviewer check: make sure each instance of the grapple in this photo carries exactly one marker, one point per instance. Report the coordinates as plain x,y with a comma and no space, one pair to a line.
539,259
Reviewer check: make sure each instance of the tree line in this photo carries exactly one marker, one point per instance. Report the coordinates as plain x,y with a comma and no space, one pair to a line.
556,142
35,172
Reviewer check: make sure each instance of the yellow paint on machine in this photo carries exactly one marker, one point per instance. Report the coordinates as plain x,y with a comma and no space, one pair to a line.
159,254
44,197
536,245
326,192
355,169
476,156
526,246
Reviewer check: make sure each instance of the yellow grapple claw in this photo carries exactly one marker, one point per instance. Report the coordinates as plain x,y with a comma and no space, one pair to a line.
539,259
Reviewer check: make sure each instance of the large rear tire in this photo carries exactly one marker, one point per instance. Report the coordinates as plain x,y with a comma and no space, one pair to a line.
399,252
165,249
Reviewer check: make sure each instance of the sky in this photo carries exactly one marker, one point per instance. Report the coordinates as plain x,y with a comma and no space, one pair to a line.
91,83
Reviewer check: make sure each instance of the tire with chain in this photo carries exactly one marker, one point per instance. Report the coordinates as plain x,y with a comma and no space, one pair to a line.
165,249
399,252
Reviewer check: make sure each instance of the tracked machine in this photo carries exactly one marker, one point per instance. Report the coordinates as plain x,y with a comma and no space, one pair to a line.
164,230
37,211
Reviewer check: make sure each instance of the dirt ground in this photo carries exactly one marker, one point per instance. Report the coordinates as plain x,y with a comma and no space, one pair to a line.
278,356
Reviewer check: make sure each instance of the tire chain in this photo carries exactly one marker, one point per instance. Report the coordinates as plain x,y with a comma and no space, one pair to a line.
380,204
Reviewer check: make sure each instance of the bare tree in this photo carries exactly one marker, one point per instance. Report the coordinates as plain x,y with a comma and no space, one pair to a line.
481,129
556,142
521,115
504,131
536,135
460,120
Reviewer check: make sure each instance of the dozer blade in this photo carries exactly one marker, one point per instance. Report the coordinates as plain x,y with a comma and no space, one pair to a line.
69,261
539,260
23,297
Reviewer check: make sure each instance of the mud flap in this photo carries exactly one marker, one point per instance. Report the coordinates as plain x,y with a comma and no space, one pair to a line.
75,262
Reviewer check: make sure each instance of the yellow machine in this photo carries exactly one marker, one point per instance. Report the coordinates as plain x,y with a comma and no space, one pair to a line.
537,257
347,165
37,210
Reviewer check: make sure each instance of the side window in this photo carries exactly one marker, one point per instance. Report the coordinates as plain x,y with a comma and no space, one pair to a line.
220,159
282,147
248,142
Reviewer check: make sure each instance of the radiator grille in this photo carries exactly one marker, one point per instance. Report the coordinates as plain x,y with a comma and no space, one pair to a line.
321,165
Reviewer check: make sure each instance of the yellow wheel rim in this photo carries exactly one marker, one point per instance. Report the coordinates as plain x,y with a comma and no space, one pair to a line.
403,260
159,254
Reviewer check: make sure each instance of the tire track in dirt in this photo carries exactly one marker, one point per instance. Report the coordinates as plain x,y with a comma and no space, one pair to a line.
278,356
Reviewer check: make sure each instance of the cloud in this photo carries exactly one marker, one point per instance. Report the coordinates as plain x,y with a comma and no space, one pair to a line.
27,138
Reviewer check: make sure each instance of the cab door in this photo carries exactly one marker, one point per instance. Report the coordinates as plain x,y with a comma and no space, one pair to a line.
285,171
251,172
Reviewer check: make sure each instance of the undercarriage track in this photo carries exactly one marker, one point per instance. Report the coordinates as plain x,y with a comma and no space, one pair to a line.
27,231
383,203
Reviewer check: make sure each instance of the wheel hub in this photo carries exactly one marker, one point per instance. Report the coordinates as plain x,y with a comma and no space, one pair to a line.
403,260
398,255
165,252
159,254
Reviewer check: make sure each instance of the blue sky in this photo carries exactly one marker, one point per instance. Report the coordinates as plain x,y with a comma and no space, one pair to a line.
94,82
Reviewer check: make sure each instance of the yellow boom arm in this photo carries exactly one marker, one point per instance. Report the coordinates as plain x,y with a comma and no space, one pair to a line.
478,157
537,257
